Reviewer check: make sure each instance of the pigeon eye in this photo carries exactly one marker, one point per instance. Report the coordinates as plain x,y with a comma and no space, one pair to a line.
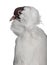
19,12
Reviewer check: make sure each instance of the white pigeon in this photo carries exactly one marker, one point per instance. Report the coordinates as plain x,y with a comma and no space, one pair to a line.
31,42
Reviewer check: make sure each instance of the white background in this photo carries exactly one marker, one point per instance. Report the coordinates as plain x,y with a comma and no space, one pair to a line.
7,37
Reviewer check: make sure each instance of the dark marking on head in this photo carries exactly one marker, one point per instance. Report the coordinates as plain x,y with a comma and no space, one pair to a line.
18,11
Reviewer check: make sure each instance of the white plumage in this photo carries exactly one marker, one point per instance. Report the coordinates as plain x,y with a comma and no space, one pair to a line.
31,43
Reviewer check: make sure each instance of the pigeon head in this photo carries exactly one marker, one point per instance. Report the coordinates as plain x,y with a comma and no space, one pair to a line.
29,16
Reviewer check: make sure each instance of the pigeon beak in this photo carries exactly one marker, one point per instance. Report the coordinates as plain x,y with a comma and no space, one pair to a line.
12,18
